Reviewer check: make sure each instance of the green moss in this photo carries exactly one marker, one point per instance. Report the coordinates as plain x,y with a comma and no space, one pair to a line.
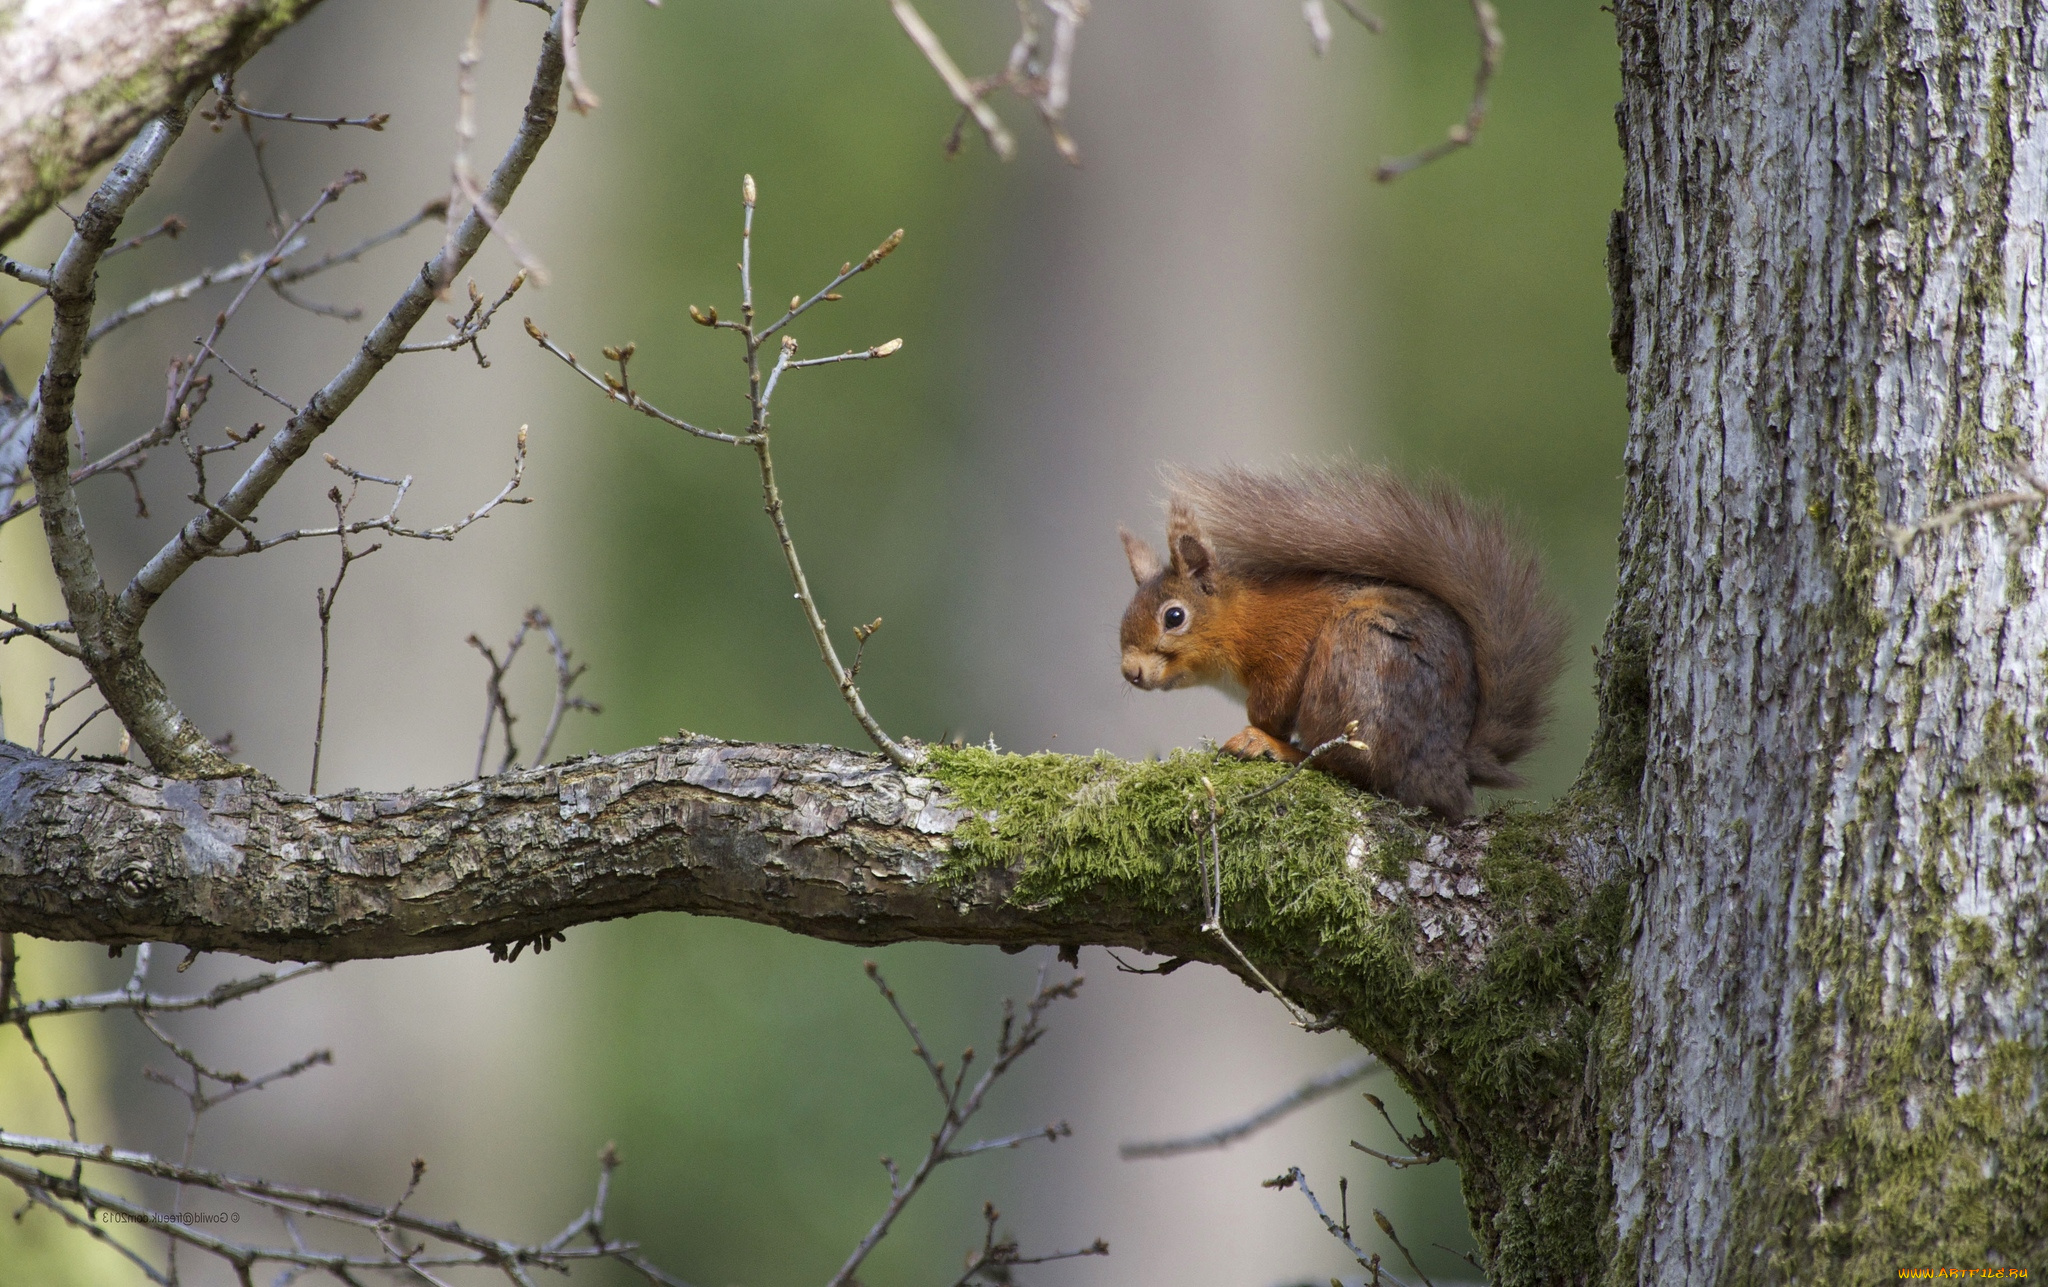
1942,622
1495,1053
1621,743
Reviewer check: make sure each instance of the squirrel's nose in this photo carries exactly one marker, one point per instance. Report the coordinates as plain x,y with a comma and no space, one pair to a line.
1134,674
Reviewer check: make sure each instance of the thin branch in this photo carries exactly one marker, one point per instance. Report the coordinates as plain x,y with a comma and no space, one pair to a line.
627,398
477,1249
580,96
1049,1133
1461,135
1293,1178
46,635
963,91
1387,1228
87,1227
51,705
565,679
435,209
185,290
997,1255
205,533
249,379
1315,1088
1318,18
829,292
388,522
2036,493
328,195
22,312
961,1103
227,102
1425,1148
25,272
323,603
496,706
1346,738
1214,923
760,397
98,711
132,997
472,324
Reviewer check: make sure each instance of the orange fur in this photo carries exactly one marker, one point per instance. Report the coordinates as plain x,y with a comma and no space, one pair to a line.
1337,593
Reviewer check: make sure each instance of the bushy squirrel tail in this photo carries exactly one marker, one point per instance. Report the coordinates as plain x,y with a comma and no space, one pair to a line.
1355,520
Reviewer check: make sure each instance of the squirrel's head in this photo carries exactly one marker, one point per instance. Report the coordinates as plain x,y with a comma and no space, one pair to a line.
1169,637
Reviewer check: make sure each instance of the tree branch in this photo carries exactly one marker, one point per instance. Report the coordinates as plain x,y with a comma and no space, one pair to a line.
825,842
83,78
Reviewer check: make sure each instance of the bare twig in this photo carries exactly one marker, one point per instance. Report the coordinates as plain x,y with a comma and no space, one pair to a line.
186,289
465,196
1461,135
25,272
43,634
435,209
22,312
565,679
625,397
2035,493
51,705
1387,1228
1346,738
1424,1147
1214,924
132,997
580,96
963,91
328,195
323,603
961,1102
1320,32
205,533
98,711
471,1248
1315,1088
993,1261
1293,1178
388,522
471,324
227,103
760,395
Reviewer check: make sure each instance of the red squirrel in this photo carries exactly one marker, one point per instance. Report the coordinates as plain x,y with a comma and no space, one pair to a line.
1336,593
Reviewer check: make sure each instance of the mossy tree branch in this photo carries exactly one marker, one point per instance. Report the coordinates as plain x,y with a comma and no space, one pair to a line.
82,79
1469,957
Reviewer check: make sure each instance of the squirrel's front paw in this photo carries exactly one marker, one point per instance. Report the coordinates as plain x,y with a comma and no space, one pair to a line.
1256,744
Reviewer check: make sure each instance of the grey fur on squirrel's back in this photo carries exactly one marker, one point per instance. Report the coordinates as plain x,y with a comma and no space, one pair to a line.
1358,521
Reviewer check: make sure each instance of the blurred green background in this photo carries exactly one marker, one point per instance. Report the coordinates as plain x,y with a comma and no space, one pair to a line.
1478,322
752,1078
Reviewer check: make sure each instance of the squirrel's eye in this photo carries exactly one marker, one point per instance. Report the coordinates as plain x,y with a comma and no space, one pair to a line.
1174,617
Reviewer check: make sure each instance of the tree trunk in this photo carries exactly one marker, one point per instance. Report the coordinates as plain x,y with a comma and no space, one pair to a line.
1831,269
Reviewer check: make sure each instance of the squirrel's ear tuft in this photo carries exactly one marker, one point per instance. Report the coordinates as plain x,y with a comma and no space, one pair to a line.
1186,546
1145,562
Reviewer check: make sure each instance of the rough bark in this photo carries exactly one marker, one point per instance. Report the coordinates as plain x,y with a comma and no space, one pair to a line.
1468,957
82,76
1831,1063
